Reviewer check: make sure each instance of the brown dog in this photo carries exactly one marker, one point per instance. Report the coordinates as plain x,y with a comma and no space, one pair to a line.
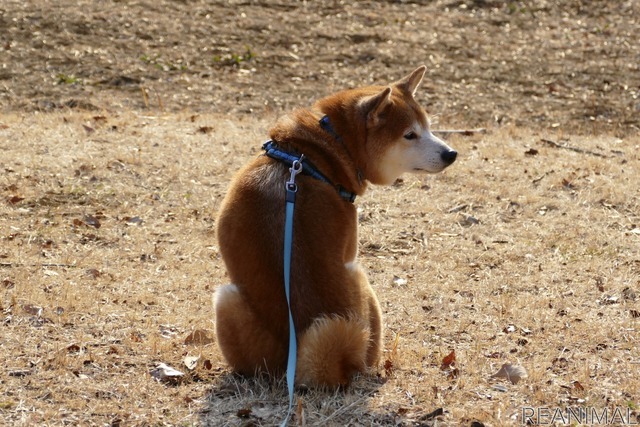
371,134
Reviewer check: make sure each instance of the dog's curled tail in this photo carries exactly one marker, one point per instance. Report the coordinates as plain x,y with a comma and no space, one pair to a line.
331,351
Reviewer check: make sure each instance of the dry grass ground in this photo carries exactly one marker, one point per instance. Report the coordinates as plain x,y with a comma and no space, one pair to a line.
123,121
541,63
523,251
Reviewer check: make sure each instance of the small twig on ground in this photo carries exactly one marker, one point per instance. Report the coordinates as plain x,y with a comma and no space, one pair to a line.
576,149
541,177
465,132
14,264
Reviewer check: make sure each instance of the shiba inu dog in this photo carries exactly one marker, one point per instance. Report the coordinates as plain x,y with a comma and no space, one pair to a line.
368,135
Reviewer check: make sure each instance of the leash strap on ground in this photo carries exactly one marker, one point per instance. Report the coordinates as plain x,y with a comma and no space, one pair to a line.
291,189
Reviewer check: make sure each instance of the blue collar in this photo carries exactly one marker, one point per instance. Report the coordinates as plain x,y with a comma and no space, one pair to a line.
325,124
275,152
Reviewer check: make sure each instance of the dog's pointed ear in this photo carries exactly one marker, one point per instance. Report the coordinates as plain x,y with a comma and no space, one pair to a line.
374,106
410,83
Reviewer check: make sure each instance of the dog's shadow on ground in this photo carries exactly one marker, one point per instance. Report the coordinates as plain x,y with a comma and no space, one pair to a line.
234,400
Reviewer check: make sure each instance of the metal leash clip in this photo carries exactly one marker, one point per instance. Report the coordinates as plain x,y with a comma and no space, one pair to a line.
295,169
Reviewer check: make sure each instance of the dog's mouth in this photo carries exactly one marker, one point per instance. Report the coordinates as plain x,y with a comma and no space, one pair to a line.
428,171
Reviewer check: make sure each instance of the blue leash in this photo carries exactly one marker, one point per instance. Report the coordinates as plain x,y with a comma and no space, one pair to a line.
298,165
291,190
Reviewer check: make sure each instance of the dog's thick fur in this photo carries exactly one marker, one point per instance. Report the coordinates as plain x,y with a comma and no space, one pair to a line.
378,134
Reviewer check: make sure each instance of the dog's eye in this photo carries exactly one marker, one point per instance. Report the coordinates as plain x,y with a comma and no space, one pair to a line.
411,135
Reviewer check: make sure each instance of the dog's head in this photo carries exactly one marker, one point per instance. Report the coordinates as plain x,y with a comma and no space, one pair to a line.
396,128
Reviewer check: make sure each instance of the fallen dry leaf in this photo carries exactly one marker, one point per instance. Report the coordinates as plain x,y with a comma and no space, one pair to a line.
243,413
388,367
399,281
91,221
513,373
191,362
509,329
73,348
133,220
136,336
168,331
15,199
34,310
525,331
198,337
165,373
93,273
448,360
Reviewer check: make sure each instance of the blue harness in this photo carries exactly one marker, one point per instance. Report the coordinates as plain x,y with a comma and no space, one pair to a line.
275,152
298,165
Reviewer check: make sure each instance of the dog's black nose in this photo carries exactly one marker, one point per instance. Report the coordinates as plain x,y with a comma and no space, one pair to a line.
449,156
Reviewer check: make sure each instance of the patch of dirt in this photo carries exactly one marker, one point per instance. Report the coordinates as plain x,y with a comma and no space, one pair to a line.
524,252
573,65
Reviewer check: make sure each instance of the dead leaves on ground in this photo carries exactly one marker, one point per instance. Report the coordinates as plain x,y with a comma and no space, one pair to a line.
33,310
262,413
198,337
94,220
513,373
448,361
133,220
14,200
165,373
389,364
449,366
88,221
191,362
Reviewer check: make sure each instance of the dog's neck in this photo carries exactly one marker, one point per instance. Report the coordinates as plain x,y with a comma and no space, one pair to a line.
272,150
325,124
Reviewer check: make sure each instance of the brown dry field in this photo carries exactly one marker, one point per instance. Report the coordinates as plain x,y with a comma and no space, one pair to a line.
122,123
